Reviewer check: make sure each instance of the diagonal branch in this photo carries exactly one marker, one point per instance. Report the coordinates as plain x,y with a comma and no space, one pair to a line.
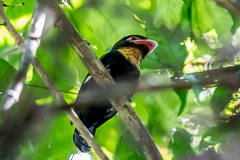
103,78
70,112
9,26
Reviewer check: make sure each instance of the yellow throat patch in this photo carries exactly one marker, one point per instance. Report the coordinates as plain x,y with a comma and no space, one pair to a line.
134,55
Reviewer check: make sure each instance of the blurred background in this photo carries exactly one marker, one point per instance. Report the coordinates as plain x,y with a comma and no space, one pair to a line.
199,43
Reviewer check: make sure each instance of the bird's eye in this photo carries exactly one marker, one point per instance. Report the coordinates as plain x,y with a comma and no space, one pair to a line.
132,38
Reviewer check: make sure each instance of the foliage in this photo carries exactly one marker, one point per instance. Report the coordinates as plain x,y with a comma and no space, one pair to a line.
193,36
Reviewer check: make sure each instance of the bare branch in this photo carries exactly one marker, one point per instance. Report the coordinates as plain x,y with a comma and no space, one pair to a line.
9,26
31,46
233,6
102,77
48,82
21,4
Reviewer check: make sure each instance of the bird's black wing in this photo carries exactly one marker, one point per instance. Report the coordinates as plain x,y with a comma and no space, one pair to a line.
95,114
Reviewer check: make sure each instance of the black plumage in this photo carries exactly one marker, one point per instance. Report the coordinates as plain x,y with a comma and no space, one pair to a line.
122,62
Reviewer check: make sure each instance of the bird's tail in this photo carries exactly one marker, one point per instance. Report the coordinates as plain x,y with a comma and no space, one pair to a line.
80,142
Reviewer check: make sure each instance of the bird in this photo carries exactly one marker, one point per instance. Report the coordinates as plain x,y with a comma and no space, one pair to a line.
123,64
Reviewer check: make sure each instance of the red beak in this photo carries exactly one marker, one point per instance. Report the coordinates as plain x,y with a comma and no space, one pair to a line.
148,43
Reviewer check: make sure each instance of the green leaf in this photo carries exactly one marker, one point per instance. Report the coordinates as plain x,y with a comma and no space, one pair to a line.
202,21
181,146
56,58
223,23
6,75
183,96
207,15
221,133
221,97
170,52
162,108
7,71
56,142
236,24
128,149
66,2
203,48
168,13
109,133
112,25
20,15
186,17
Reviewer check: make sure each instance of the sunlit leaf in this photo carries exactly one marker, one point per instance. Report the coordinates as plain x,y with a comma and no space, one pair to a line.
202,21
207,15
190,34
20,14
220,99
167,13
76,3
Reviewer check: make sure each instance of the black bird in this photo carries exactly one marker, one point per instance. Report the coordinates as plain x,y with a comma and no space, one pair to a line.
122,62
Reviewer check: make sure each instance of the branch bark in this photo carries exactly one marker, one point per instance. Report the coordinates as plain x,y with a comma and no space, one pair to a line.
103,78
233,6
9,26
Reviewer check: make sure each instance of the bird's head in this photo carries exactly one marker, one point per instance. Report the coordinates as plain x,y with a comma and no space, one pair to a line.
135,48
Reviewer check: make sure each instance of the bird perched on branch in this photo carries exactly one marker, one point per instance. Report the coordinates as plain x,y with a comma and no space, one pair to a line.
122,62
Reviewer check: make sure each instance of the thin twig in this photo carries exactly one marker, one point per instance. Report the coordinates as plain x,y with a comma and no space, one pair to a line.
43,87
21,4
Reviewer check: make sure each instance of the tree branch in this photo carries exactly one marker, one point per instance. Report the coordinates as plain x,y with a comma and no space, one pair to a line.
103,78
31,46
222,77
233,6
9,26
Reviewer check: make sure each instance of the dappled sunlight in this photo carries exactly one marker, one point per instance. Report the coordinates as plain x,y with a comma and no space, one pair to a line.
5,37
21,22
187,98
